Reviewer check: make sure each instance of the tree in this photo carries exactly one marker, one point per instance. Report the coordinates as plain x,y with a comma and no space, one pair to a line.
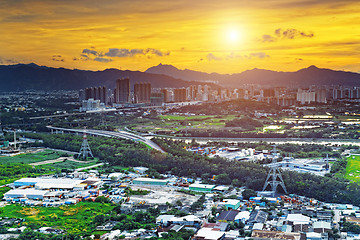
179,203
223,178
213,211
102,199
99,219
247,193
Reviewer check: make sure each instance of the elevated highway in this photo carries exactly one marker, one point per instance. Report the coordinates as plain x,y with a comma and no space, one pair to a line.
119,134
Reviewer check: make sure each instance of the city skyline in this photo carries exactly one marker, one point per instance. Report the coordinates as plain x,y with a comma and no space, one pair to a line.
208,36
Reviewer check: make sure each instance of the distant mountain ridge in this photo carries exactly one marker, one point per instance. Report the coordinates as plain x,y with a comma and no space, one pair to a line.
185,74
22,77
301,78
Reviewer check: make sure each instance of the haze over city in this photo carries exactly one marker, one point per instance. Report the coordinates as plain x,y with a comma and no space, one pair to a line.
211,36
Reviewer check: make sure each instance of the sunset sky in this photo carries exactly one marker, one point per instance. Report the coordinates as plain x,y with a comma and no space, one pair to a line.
226,36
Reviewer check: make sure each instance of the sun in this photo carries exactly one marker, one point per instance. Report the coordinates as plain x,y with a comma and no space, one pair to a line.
233,35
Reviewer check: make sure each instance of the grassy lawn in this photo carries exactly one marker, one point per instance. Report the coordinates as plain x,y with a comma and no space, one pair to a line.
273,128
72,218
353,168
178,117
28,158
169,124
68,165
196,118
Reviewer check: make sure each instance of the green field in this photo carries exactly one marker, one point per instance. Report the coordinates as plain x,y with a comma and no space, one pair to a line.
173,123
27,158
353,168
196,118
180,118
73,218
68,165
21,161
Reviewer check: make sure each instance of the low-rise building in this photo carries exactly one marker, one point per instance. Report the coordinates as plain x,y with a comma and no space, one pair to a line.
149,181
321,227
29,193
201,187
227,216
230,204
48,183
242,217
265,235
209,234
258,216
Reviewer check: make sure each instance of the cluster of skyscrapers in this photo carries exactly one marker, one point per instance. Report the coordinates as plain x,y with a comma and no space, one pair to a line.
143,93
122,93
325,94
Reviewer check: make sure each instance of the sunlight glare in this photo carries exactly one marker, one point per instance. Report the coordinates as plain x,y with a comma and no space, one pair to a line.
233,35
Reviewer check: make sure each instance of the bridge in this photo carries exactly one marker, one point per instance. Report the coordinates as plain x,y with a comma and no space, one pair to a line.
119,134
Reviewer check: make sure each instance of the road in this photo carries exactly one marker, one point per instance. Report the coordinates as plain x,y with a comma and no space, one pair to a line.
60,159
89,167
119,134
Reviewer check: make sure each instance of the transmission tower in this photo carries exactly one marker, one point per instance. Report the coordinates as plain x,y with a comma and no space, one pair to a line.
85,150
274,178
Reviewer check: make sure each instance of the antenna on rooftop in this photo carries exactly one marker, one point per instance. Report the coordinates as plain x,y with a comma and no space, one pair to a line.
274,178
85,150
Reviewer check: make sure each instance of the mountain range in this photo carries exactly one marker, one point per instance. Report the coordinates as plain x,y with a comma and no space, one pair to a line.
22,77
302,78
33,77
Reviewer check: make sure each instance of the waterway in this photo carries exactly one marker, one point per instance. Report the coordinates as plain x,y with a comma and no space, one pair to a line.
322,141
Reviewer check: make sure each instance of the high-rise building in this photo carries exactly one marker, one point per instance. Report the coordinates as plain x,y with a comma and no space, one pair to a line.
269,92
305,96
142,92
192,93
320,95
166,94
241,93
81,95
179,95
122,90
97,93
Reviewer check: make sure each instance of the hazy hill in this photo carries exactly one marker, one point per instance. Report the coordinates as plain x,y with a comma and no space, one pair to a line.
302,78
186,74
33,77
